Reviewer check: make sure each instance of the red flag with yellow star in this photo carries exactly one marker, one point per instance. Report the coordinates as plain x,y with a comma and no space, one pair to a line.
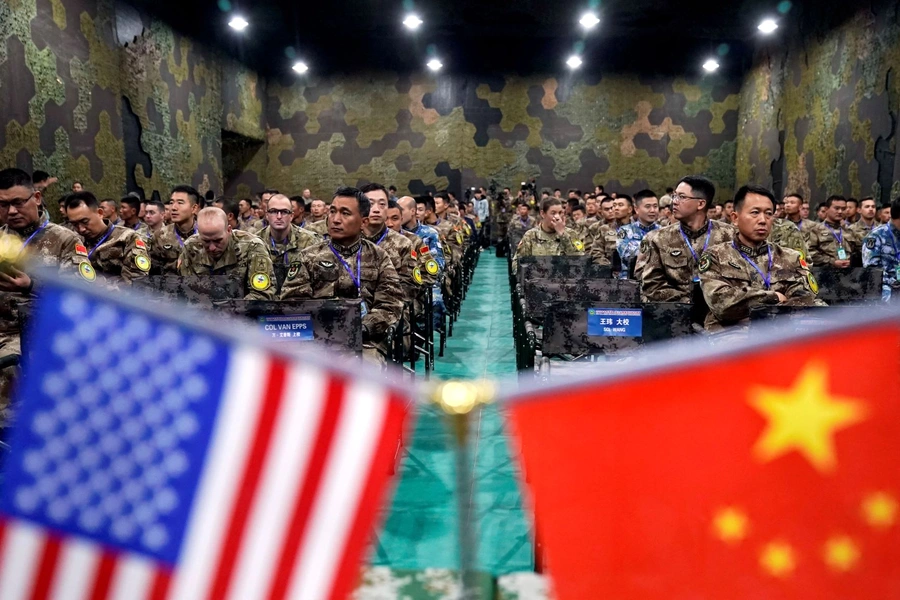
769,471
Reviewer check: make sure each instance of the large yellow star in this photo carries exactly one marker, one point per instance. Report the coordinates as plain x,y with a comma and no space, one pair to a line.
804,418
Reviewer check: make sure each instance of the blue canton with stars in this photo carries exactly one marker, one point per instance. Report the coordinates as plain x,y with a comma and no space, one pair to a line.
115,416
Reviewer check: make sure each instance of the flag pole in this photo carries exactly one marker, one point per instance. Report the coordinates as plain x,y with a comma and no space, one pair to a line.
458,399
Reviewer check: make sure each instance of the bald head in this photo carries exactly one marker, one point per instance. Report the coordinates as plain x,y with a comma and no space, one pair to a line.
407,211
214,231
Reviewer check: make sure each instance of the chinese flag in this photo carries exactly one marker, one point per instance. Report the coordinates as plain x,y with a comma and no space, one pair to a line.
766,473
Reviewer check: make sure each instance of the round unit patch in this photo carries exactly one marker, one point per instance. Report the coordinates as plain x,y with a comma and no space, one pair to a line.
432,267
87,272
142,262
704,263
260,281
417,276
578,245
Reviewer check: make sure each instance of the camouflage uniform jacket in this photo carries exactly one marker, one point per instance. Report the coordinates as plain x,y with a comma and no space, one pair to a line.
248,223
629,242
518,224
245,257
844,237
537,242
821,245
601,243
51,246
165,248
402,254
862,230
320,228
882,249
732,286
452,240
288,253
668,266
119,253
785,234
140,228
427,272
323,275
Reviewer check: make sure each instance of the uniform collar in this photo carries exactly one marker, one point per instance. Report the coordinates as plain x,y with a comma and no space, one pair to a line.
377,236
347,250
695,234
42,219
189,233
290,241
648,228
93,241
759,250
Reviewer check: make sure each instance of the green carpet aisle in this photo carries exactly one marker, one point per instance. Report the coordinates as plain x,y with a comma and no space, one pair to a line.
420,528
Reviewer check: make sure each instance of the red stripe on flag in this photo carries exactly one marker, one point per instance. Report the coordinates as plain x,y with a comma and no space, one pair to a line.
3,529
347,573
103,578
46,567
161,580
334,402
253,469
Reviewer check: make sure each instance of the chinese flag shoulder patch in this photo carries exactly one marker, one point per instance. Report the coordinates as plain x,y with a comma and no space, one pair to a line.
140,244
80,249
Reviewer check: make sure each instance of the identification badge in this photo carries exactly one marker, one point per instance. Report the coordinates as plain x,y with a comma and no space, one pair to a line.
363,309
288,327
842,254
615,322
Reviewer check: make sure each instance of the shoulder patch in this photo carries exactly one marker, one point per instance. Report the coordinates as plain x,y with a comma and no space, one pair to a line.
432,267
870,243
813,284
417,276
424,250
80,249
803,263
644,247
704,263
87,272
621,233
412,253
293,270
578,245
142,262
140,243
260,281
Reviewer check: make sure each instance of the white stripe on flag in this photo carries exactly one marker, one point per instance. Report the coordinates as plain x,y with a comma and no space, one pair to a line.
22,546
76,568
282,478
132,578
346,472
244,388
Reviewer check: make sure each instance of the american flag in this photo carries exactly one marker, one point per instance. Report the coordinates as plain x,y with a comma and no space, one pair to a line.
155,459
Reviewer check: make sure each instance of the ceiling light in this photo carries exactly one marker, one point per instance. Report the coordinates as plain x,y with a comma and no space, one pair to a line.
768,26
589,20
238,23
300,67
412,22
710,65
434,64
574,61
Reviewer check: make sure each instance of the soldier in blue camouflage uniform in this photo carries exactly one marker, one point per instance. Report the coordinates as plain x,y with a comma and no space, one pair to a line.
432,239
881,248
628,238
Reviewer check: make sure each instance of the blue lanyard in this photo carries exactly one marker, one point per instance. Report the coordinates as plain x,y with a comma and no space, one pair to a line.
705,244
381,239
839,238
103,239
36,231
767,278
178,235
276,250
358,277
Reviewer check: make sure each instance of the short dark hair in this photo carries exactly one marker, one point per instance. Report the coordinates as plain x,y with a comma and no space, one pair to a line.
158,204
443,196
428,201
134,203
606,199
192,193
853,200
10,178
40,176
573,202
392,188
76,199
795,195
299,201
269,191
575,191
741,195
626,198
643,195
895,208
393,204
547,203
701,185
375,187
580,207
113,201
210,195
351,192
231,208
832,198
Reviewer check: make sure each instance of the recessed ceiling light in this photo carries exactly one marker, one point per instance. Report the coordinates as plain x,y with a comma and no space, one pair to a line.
412,22
574,61
300,67
710,65
768,26
589,20
434,64
238,23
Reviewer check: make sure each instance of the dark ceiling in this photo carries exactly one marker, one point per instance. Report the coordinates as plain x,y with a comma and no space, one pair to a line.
486,36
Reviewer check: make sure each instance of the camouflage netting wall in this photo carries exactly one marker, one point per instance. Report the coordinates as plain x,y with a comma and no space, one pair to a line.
423,133
834,100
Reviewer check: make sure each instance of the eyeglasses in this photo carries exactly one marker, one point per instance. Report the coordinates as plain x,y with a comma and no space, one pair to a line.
682,198
279,212
17,203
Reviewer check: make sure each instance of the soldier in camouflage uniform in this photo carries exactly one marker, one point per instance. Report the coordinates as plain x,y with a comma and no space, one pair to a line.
347,266
284,241
129,209
400,250
867,221
819,242
117,253
247,220
668,258
881,249
600,242
166,244
522,222
629,236
846,240
44,243
550,237
785,234
421,253
219,250
749,271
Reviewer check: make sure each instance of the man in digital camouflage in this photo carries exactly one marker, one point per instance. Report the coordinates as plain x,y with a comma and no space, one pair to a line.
129,211
550,237
347,266
400,250
881,249
785,233
117,253
284,241
749,271
846,240
670,256
421,252
820,243
219,250
247,219
629,237
523,221
867,221
166,244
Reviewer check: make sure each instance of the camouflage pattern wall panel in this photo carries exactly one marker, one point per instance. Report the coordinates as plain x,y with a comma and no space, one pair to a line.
759,146
243,95
839,103
59,93
424,133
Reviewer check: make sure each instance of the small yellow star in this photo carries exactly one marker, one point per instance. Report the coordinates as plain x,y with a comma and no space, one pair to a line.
777,559
841,553
804,418
879,510
730,525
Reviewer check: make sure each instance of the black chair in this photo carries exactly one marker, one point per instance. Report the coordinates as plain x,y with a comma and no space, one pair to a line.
214,290
849,286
